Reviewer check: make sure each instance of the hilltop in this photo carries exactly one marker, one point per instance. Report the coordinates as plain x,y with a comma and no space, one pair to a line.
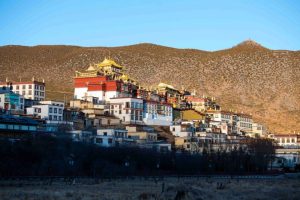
247,77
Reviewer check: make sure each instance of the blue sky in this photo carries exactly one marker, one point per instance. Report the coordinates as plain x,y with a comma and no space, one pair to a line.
206,25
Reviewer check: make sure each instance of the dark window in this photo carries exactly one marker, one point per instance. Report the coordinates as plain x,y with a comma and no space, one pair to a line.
105,133
55,110
109,141
30,86
99,140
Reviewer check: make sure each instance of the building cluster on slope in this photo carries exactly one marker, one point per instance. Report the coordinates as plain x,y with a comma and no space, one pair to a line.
111,109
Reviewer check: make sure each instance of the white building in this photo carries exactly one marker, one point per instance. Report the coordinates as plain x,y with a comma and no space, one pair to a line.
129,110
48,110
243,123
258,129
156,113
183,130
34,90
219,116
110,137
287,140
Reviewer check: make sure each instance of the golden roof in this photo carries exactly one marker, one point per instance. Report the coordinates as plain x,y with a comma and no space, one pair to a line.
164,85
108,62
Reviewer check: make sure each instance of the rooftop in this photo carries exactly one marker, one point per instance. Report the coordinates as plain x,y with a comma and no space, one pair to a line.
9,119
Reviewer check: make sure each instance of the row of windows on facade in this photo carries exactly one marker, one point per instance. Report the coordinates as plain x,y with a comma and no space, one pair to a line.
24,87
225,116
37,99
158,107
55,117
166,113
100,140
17,127
286,140
30,93
140,106
247,125
14,106
51,110
136,117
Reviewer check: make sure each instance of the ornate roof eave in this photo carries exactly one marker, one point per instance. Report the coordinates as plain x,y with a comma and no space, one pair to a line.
107,63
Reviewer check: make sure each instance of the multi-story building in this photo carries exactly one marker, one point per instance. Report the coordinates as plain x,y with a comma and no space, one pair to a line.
129,110
258,129
243,123
287,140
171,94
34,90
110,137
157,113
104,81
182,130
141,136
237,123
11,125
47,110
11,102
197,103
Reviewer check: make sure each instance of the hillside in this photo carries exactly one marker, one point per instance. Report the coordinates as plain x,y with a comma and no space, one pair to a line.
247,77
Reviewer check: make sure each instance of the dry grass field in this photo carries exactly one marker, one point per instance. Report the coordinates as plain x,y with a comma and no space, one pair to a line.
174,188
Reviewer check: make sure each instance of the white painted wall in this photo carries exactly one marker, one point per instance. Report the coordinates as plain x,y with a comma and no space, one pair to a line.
176,131
79,93
98,94
47,112
159,120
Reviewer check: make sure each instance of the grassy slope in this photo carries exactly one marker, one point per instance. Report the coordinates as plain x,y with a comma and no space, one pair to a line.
247,77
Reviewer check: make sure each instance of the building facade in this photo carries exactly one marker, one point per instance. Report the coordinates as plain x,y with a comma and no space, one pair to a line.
12,102
47,110
129,110
34,90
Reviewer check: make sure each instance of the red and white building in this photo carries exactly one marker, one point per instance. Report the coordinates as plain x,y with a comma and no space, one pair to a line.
100,87
127,101
198,103
103,81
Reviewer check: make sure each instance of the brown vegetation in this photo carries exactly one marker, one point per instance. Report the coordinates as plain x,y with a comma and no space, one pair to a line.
247,77
169,188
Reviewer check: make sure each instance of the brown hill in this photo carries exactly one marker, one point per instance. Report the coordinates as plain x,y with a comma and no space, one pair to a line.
247,77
